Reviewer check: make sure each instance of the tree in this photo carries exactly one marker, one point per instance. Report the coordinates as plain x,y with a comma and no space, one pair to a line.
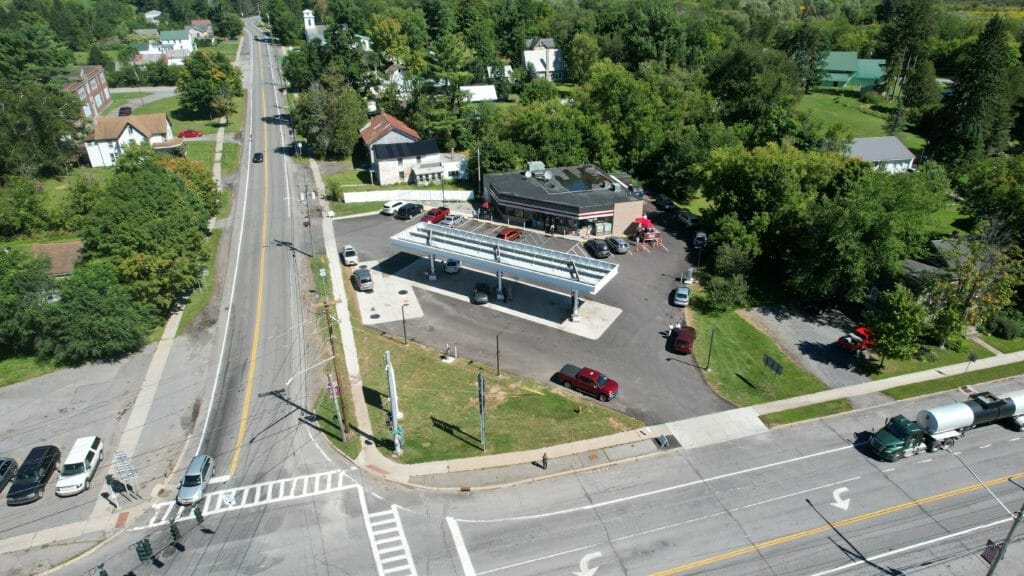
539,90
96,318
909,27
808,46
920,89
580,56
98,58
330,117
209,83
896,120
25,285
388,39
148,226
21,208
39,134
724,294
448,65
30,52
897,323
226,22
993,190
199,186
976,119
982,278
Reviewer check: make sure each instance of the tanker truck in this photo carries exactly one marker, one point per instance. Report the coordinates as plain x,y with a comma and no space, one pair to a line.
940,427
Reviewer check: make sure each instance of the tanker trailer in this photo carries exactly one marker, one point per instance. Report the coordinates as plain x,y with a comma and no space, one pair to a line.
940,427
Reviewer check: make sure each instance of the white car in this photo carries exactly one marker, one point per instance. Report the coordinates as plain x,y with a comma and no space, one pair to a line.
452,266
349,256
391,207
451,220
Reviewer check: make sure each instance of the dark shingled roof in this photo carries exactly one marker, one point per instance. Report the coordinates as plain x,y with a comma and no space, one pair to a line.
582,187
406,150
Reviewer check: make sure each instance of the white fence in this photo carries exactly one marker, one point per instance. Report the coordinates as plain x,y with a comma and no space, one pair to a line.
422,195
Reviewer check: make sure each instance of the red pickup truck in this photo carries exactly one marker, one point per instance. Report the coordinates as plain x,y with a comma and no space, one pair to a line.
588,381
435,215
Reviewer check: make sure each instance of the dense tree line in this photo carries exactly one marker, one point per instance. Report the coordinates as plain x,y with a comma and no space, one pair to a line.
143,248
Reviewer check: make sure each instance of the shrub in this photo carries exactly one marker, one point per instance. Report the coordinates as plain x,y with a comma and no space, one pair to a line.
1005,324
724,294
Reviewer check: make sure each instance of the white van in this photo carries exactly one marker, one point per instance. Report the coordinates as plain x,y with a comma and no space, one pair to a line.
80,466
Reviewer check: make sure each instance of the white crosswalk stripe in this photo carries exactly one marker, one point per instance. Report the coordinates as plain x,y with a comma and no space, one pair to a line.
255,495
387,539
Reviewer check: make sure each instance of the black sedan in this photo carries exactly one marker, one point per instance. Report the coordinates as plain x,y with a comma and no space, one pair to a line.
33,475
598,248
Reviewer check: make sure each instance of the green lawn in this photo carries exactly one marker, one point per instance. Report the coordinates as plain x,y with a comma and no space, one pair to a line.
182,119
55,189
353,208
14,370
738,373
859,117
956,380
807,412
118,99
229,155
227,48
440,407
201,151
947,221
1004,346
932,357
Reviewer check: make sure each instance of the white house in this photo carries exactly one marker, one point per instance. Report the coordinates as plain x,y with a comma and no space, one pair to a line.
386,129
176,40
884,153
309,25
112,135
418,163
153,16
480,92
200,28
545,58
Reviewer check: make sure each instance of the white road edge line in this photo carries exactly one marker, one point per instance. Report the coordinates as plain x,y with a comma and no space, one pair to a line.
460,547
658,491
911,547
549,556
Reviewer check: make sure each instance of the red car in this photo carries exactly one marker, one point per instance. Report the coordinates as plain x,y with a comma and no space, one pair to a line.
189,134
861,338
435,215
681,339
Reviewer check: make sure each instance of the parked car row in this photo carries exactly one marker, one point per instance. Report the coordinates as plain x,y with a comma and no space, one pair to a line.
30,479
605,247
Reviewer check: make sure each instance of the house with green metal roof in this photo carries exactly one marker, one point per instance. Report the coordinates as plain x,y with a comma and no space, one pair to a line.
845,70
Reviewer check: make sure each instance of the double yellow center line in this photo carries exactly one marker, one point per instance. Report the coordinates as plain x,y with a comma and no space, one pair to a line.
826,527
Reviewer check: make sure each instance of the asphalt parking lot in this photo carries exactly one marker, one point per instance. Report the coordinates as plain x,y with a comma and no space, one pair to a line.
656,386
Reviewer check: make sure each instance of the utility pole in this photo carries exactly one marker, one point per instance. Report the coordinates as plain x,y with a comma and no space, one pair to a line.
479,180
482,395
396,414
343,421
1009,538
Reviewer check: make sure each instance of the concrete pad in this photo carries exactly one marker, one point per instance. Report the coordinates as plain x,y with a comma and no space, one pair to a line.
529,302
716,428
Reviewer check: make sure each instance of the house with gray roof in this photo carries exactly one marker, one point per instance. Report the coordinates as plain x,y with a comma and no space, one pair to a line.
545,58
884,153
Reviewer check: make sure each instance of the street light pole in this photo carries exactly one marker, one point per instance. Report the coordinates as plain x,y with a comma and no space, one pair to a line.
711,347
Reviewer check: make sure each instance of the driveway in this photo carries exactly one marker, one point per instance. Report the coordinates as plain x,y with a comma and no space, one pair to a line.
810,341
